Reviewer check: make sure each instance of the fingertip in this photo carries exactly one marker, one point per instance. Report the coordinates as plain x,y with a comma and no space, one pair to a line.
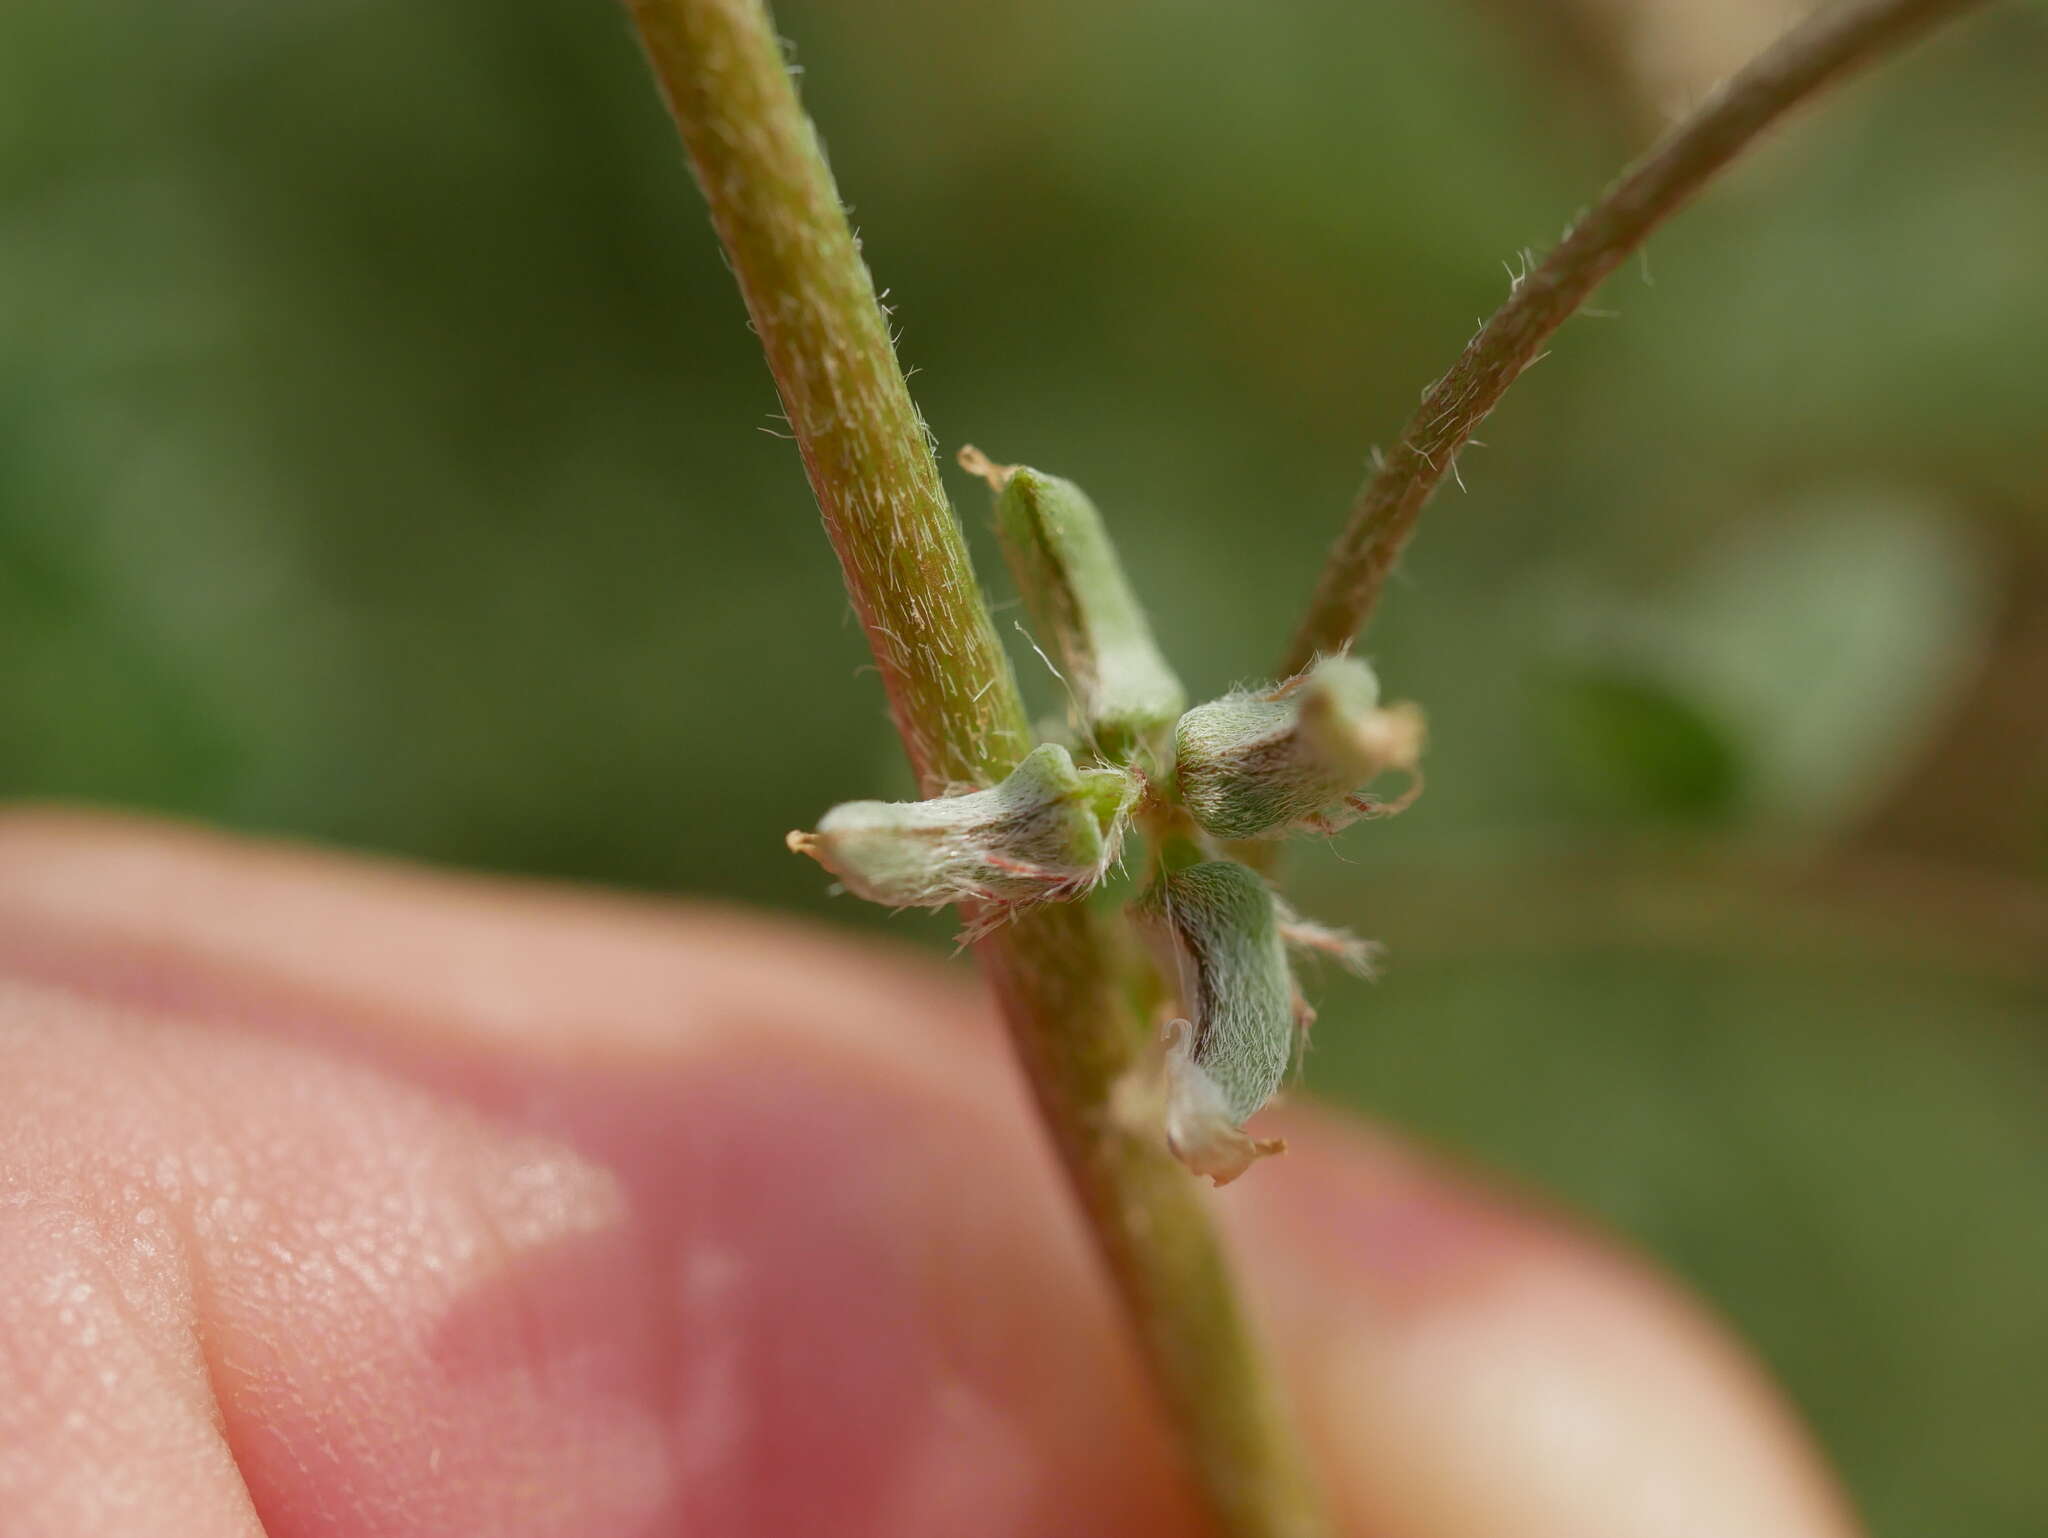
838,1132
677,1219
1470,1368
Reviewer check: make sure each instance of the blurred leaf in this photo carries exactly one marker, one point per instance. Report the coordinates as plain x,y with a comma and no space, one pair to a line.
1833,634
1638,747
1819,643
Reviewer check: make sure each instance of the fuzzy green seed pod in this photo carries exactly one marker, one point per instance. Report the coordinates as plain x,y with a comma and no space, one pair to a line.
1219,927
1258,764
1047,833
1074,588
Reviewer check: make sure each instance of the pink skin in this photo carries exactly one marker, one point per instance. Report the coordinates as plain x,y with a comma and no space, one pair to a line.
339,1198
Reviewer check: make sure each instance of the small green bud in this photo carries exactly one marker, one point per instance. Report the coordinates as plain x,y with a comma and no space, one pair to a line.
1047,833
1074,588
1253,765
1218,925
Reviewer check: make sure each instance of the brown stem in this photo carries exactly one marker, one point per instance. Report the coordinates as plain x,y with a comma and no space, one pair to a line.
1821,50
1057,970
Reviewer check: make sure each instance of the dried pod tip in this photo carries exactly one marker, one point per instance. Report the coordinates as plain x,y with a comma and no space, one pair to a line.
1358,957
1048,832
1218,926
1256,764
1059,550
974,462
1370,743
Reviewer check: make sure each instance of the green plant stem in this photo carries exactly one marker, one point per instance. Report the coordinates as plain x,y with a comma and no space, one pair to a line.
1057,970
827,343
1826,47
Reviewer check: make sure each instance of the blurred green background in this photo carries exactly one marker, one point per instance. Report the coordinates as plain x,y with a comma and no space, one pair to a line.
384,459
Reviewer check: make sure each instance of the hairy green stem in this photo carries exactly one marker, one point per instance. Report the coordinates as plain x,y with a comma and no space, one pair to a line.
864,446
1824,48
1057,970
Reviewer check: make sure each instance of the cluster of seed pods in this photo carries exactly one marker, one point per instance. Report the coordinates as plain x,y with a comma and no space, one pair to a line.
1254,765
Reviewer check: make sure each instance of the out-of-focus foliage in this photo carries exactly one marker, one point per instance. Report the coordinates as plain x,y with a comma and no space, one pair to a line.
1845,1154
384,458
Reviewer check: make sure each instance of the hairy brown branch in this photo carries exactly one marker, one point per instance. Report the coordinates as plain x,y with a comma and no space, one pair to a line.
1821,50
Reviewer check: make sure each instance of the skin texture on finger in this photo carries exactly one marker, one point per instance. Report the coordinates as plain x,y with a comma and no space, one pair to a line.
502,1209
727,1242
107,1418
